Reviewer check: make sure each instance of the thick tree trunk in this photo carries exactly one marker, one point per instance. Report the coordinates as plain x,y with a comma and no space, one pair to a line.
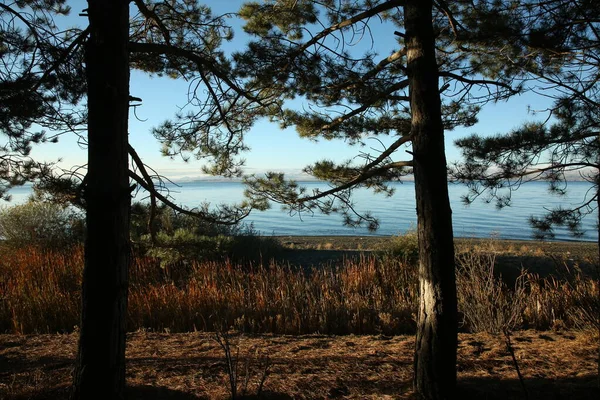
435,350
598,265
100,370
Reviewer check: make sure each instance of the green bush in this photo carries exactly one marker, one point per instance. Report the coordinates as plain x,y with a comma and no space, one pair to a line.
168,221
405,247
42,224
184,246
183,238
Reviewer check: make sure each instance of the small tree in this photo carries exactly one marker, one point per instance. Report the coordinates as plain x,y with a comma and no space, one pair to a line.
43,224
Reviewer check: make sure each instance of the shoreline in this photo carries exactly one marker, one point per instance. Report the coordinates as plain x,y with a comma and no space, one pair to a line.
574,250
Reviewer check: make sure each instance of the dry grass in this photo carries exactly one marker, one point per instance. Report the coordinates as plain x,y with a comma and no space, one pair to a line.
192,366
365,294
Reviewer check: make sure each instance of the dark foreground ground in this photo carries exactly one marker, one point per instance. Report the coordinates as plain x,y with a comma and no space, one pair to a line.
555,365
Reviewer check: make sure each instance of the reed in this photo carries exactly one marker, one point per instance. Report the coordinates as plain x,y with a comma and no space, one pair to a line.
39,292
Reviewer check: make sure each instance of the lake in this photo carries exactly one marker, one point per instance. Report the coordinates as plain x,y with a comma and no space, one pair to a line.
397,213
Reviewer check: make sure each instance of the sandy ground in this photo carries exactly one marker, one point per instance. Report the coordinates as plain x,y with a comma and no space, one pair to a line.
578,249
512,256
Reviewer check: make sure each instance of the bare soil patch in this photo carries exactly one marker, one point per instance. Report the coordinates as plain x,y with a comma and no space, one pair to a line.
555,365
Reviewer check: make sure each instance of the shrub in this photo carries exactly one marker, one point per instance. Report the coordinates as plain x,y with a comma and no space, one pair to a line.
570,301
41,224
168,221
182,238
485,301
40,292
406,246
184,246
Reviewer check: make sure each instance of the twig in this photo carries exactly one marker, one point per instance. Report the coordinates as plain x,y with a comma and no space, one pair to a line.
511,350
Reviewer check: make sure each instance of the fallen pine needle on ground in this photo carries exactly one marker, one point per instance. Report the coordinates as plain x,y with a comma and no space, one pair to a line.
555,365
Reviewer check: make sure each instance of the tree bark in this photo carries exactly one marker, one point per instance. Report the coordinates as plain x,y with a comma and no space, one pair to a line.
100,370
436,341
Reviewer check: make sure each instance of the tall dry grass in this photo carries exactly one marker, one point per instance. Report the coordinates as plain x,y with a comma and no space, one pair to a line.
39,292
363,296
40,289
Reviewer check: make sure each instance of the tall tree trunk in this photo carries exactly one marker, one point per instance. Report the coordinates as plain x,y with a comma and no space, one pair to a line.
598,211
100,370
435,349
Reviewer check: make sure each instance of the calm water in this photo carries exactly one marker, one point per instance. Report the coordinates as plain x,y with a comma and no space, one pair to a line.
396,214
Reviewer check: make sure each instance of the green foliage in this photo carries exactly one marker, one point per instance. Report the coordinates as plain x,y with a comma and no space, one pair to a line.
182,238
354,87
185,246
184,42
405,247
167,221
555,47
41,224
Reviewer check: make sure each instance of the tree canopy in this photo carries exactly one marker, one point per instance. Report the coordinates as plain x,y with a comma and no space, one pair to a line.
77,80
41,85
395,72
341,66
43,89
556,54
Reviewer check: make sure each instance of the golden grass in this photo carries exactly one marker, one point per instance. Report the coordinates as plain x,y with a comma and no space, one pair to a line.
374,296
364,295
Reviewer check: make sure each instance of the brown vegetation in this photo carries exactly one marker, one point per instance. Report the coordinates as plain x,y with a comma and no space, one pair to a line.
363,294
368,293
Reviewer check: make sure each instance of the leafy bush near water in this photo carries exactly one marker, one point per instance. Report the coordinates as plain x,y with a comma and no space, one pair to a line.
40,293
182,238
42,224
405,246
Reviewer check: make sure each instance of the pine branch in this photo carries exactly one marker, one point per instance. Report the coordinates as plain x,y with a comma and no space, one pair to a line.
151,15
384,63
398,86
138,162
477,81
388,5
197,214
365,174
200,61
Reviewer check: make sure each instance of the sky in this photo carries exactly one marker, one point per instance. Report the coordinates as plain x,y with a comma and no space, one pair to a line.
271,147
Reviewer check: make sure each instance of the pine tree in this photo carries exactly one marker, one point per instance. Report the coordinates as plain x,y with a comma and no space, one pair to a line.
556,52
310,51
554,46
41,85
48,77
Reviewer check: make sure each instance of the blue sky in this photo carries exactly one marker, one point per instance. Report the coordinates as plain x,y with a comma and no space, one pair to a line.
271,147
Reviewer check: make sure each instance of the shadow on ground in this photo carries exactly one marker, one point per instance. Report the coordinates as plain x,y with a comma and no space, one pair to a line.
579,388
161,393
374,381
